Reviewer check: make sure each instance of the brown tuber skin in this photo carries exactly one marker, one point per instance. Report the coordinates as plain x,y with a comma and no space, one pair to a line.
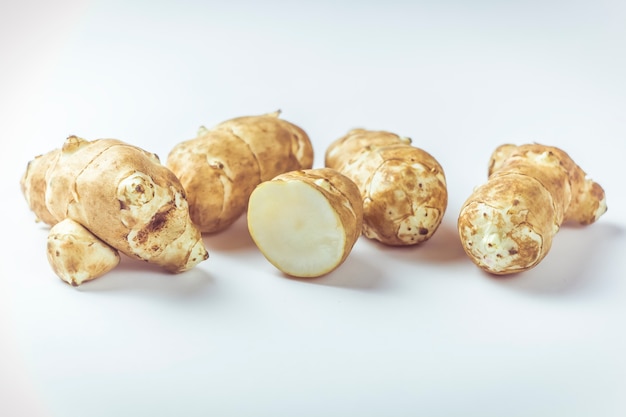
403,187
508,223
119,193
220,168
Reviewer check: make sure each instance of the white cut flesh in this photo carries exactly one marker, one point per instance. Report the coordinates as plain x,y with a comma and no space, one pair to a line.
296,228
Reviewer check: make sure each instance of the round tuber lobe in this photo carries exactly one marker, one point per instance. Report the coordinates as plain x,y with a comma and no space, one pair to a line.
403,187
77,255
220,168
119,193
306,222
507,224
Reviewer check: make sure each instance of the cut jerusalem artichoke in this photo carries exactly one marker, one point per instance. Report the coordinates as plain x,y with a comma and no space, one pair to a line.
221,166
403,187
508,223
306,222
122,196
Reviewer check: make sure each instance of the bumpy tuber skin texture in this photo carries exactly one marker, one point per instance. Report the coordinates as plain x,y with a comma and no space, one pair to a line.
77,255
221,166
403,187
119,193
306,222
508,223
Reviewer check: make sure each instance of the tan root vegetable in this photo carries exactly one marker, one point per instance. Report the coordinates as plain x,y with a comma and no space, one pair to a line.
508,223
403,187
306,222
77,255
221,166
119,193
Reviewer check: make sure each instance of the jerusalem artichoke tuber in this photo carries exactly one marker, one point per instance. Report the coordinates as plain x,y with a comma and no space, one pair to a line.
403,187
221,166
508,223
306,222
121,194
77,255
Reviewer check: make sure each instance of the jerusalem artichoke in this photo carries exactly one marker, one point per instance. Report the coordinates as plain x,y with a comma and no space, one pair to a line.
403,187
77,255
507,225
221,166
121,194
306,222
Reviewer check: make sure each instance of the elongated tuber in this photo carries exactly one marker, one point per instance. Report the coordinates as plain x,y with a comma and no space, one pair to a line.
403,187
306,222
508,223
221,166
119,193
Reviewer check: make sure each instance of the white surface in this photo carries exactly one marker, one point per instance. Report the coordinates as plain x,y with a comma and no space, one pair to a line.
393,332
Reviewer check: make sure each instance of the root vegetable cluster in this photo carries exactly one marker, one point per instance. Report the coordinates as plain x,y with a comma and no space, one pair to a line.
106,196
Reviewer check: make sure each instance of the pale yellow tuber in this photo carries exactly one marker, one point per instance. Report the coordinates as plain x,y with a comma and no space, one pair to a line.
221,166
403,187
507,225
306,222
119,193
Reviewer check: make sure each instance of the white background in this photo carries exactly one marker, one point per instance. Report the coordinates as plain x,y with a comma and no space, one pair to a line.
412,331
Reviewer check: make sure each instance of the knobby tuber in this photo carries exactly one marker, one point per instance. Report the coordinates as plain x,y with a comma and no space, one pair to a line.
508,223
120,194
221,166
403,187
